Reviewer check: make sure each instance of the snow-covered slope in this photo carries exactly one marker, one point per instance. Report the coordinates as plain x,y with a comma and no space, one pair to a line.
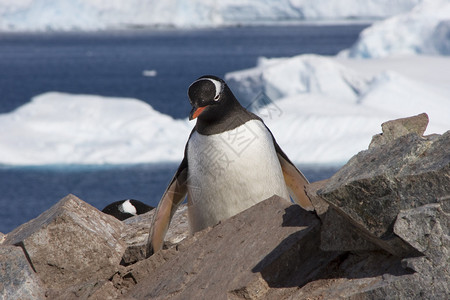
42,15
423,30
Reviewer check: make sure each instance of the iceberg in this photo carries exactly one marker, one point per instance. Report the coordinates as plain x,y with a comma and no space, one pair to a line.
323,111
58,128
64,15
423,30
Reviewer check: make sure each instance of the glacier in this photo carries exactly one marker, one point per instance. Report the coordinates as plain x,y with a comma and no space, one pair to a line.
423,30
67,15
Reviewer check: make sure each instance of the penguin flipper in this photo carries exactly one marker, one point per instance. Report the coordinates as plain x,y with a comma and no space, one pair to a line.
173,196
295,180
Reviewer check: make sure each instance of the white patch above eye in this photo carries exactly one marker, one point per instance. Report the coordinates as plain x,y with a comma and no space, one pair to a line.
127,207
217,84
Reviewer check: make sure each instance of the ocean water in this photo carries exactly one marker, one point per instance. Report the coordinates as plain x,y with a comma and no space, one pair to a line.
117,64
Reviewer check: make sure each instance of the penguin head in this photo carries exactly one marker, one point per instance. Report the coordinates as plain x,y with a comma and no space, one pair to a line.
210,98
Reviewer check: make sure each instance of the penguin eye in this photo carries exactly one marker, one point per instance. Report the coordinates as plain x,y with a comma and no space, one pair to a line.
217,97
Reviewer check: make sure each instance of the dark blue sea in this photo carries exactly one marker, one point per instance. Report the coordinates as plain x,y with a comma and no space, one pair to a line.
112,64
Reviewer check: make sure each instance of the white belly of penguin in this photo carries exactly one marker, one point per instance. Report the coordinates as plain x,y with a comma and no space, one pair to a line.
230,172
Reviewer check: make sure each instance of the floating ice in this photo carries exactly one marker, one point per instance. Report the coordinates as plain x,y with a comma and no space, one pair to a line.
149,73
57,128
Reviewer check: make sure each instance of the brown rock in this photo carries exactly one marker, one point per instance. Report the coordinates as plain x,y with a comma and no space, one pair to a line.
138,229
71,243
17,278
93,290
400,127
241,257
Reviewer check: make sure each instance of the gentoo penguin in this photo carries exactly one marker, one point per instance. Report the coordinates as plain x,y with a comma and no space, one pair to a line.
231,162
125,209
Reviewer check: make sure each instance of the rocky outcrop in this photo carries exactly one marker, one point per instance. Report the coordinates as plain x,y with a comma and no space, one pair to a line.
380,230
376,184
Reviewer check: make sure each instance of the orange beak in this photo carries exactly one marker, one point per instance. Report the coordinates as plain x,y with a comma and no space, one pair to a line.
196,111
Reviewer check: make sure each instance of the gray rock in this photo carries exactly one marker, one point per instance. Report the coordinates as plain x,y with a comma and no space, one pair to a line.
2,237
337,234
71,243
349,277
138,229
372,188
427,229
17,278
242,257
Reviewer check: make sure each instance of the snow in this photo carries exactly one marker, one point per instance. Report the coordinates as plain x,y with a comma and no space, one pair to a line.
63,15
423,30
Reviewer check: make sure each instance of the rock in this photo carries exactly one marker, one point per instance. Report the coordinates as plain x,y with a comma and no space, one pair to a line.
427,229
2,237
400,127
320,205
71,243
95,289
138,229
294,268
237,258
372,188
17,278
337,234
351,276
